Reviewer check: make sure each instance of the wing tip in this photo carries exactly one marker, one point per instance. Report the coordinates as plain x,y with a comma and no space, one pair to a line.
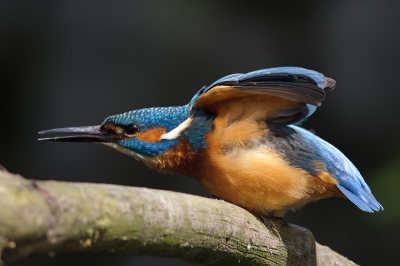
330,84
365,201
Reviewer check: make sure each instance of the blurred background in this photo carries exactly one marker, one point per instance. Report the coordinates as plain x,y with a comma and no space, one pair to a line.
73,63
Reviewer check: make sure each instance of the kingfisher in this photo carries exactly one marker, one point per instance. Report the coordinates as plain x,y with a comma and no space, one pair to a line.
241,139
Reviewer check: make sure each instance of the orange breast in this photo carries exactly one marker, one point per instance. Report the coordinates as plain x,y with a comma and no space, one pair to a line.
238,170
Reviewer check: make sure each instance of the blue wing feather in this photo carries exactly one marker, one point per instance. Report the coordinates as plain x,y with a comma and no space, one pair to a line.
320,80
351,183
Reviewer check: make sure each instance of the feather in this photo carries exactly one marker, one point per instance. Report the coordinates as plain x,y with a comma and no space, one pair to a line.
299,90
350,181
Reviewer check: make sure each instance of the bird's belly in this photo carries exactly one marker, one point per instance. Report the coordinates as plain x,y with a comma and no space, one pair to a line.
261,181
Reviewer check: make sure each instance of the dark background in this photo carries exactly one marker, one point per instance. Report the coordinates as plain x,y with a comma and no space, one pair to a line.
72,63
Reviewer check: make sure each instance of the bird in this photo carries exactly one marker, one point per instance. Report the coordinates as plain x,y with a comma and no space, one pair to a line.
241,138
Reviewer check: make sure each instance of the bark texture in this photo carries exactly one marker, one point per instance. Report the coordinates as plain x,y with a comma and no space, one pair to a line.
51,217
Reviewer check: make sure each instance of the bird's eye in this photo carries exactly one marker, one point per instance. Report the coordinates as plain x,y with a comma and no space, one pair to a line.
132,129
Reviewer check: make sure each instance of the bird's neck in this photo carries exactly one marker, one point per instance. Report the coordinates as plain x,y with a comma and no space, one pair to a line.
180,158
176,160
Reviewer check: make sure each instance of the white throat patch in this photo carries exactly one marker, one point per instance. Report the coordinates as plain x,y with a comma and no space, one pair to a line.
135,155
176,132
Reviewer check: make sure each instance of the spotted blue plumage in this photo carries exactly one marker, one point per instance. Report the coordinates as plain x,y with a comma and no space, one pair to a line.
168,117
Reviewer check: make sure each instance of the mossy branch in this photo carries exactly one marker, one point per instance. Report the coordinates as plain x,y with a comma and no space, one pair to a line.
51,217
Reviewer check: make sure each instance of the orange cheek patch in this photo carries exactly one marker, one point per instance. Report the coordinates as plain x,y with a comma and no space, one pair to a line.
153,135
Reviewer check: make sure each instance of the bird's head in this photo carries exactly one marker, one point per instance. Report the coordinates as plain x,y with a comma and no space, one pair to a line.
139,133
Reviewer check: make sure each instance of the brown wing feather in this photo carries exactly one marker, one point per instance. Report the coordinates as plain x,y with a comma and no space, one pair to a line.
225,98
275,97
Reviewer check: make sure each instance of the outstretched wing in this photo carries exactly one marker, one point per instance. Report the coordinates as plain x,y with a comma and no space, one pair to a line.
285,95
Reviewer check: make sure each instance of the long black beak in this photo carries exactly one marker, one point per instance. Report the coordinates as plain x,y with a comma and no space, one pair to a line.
80,134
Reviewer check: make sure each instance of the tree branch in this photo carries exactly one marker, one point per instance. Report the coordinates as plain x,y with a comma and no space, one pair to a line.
51,216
